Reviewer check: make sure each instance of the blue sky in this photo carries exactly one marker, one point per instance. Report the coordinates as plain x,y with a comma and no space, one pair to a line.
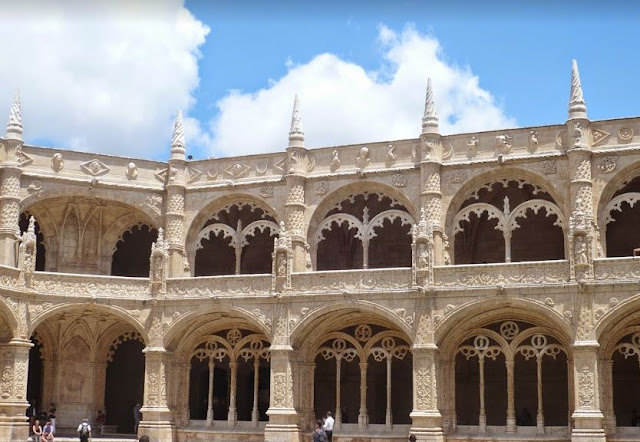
233,68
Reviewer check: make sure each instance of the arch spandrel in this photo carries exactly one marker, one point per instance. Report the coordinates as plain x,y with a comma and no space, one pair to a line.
613,185
476,313
612,325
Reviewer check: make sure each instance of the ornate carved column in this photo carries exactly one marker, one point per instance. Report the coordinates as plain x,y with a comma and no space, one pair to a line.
298,164
363,417
10,185
540,413
389,414
175,185
606,383
430,157
283,417
14,360
582,223
210,394
158,420
232,417
511,408
587,417
425,416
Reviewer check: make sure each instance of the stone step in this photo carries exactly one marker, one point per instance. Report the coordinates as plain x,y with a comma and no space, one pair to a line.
95,439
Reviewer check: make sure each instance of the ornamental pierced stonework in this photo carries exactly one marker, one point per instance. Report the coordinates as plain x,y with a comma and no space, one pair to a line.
458,176
322,188
625,135
549,167
266,192
423,389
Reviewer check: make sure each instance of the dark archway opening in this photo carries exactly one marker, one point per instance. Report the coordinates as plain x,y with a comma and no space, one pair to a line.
256,255
626,389
340,250
199,390
36,373
391,247
480,242
215,257
124,385
131,257
23,224
537,239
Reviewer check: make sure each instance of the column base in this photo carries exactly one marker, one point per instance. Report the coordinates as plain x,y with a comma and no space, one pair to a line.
14,428
282,433
588,426
160,431
427,426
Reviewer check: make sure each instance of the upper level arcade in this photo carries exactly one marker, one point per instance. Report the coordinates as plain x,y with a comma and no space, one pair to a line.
435,210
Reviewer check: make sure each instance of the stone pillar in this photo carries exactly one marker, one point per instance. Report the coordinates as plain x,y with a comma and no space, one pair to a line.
606,383
430,158
283,418
175,186
511,409
587,417
158,420
100,381
10,185
298,164
14,360
426,418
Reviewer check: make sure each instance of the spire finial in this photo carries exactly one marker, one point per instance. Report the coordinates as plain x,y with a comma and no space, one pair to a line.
577,105
177,141
430,118
296,133
14,125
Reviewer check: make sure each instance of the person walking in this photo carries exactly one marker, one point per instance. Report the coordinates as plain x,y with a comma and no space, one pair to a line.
328,426
84,430
319,435
136,417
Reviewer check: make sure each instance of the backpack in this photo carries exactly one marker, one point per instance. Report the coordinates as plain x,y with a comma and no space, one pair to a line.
84,430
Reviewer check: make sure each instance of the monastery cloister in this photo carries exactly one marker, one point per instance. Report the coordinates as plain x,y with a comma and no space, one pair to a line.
466,287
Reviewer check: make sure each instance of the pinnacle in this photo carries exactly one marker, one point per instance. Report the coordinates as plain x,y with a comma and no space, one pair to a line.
577,105
14,125
430,117
296,133
177,141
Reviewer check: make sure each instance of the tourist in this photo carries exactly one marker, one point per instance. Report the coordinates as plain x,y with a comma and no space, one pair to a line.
101,420
47,432
143,438
37,430
328,426
31,411
136,417
84,430
412,438
319,435
52,415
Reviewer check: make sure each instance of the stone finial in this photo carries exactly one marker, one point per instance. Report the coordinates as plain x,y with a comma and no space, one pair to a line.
296,133
177,141
430,118
14,125
31,230
577,105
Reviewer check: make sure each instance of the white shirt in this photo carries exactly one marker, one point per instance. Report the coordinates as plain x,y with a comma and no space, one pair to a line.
84,423
328,424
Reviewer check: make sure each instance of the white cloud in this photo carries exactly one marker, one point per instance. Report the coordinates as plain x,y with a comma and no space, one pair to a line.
343,103
101,76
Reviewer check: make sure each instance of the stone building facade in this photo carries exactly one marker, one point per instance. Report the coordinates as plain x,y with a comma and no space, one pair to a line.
464,287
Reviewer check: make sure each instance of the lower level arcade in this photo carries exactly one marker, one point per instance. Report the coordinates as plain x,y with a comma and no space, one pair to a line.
506,377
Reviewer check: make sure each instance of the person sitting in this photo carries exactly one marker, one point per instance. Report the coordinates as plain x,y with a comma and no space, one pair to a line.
47,432
37,430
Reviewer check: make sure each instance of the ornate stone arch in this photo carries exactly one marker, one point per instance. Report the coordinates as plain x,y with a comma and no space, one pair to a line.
209,319
609,327
343,192
121,314
7,314
305,333
492,176
476,313
203,226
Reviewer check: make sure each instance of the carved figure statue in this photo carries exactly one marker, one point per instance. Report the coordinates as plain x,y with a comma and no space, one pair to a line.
132,171
335,161
423,257
580,251
391,154
447,255
282,264
473,144
57,163
533,139
363,157
578,133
